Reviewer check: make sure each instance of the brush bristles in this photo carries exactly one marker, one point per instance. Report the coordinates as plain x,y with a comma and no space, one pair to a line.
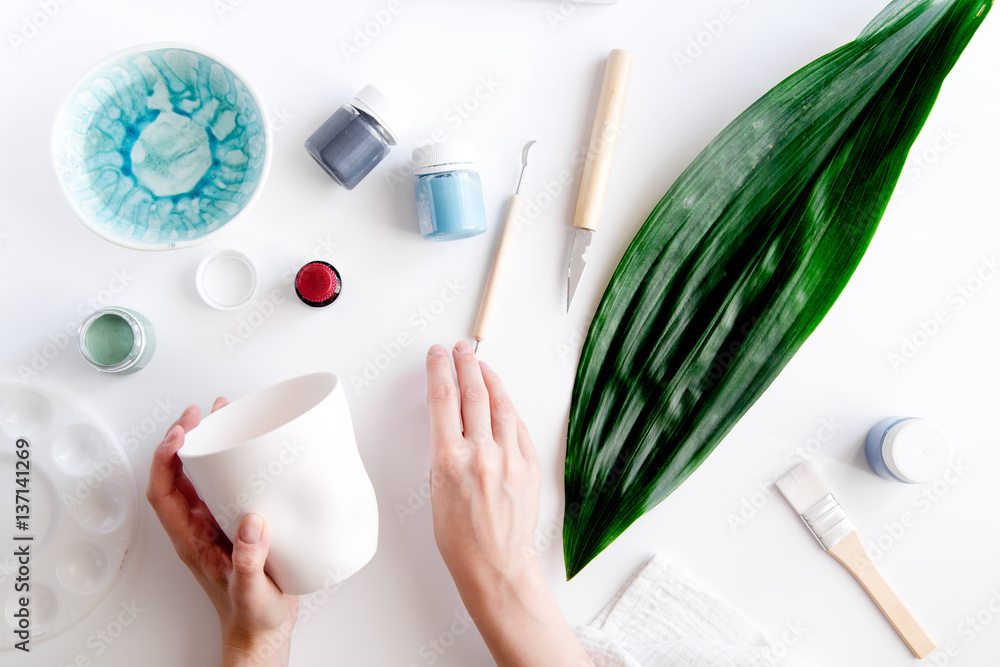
802,487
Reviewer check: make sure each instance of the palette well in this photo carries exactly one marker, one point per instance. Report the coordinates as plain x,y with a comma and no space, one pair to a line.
82,513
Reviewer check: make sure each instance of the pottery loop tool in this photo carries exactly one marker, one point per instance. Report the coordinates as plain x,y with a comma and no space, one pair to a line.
501,255
597,168
806,493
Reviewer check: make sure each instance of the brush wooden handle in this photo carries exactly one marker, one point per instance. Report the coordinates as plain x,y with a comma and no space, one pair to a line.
500,260
603,137
852,555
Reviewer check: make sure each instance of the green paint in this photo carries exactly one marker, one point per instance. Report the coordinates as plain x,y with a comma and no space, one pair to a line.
109,339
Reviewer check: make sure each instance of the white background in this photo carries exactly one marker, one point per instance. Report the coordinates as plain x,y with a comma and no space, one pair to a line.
940,226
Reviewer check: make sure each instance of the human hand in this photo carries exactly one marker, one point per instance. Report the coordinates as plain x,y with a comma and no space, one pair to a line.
485,482
256,617
485,478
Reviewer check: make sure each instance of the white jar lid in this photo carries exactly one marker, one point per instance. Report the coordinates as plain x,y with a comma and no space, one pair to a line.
917,451
446,156
226,279
376,104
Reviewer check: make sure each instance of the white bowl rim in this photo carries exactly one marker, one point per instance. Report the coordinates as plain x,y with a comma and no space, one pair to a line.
228,451
153,46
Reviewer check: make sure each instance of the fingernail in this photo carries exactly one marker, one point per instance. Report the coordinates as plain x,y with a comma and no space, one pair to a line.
463,347
486,366
251,529
436,351
171,436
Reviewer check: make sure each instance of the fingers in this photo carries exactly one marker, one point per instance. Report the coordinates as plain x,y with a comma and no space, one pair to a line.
190,418
525,444
187,489
163,468
472,389
503,416
170,505
169,492
442,398
220,403
248,584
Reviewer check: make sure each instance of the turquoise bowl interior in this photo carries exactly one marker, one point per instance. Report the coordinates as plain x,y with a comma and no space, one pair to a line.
161,147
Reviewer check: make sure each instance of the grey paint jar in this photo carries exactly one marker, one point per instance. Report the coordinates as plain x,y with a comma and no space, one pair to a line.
117,340
357,137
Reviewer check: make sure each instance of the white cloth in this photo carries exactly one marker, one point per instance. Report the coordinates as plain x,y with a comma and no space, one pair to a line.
662,618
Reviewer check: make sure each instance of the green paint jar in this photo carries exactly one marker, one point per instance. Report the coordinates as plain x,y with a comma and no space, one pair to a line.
117,340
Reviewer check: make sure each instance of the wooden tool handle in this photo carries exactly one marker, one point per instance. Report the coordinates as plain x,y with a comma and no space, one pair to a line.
500,260
603,137
852,555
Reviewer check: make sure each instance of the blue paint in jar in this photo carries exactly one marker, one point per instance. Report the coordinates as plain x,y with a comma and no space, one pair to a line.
358,136
908,449
449,192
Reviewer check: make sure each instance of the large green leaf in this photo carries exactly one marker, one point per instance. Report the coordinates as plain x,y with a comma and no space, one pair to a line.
740,261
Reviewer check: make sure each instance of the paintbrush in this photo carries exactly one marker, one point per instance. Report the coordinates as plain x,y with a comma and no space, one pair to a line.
806,493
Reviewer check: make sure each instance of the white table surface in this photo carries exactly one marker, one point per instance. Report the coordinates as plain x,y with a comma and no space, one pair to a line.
544,75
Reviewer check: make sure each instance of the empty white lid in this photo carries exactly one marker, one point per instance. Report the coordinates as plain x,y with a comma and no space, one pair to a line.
376,104
226,279
917,451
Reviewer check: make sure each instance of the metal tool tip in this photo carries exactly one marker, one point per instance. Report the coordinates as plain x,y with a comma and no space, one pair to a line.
524,165
524,153
475,350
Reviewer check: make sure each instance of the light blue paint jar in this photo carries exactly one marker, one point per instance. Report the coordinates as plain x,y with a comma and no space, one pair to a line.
907,449
449,192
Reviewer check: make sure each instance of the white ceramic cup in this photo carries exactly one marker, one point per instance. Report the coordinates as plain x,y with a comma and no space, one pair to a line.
288,453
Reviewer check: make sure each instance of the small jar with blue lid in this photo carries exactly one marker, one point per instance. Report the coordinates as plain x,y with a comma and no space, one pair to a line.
907,449
357,137
449,192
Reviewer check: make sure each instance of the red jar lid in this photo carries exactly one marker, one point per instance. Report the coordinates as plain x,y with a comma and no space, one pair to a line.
318,284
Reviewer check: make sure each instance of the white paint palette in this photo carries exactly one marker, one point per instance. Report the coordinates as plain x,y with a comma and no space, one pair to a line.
82,509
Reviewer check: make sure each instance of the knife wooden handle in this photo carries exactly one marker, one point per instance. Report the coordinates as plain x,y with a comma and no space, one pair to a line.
603,138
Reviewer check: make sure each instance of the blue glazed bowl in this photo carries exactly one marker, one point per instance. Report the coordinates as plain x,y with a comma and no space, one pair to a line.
161,146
